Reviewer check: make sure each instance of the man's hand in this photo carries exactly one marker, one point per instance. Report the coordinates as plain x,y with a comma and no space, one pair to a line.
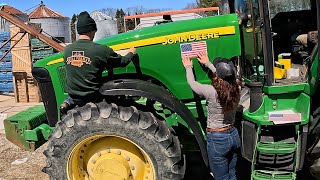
133,50
203,57
186,61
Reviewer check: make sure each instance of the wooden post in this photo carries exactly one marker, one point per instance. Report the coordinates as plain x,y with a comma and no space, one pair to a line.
24,86
16,91
124,23
135,22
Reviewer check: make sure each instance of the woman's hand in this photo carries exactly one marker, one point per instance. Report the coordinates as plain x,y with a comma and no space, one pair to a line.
203,57
186,61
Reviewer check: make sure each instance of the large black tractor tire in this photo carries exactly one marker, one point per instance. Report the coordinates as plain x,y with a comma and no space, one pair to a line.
314,150
314,161
152,135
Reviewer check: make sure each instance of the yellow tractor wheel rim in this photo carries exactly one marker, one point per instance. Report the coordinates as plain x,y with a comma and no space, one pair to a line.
109,157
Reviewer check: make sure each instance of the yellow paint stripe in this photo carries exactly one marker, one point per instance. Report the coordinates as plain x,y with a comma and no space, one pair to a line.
55,61
158,40
228,30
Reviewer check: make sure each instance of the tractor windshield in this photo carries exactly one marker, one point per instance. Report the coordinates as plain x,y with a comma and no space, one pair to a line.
292,23
278,6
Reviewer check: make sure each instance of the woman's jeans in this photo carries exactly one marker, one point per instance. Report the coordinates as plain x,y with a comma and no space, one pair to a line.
222,152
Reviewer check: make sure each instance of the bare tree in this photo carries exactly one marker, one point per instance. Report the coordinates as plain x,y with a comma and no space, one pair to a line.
109,11
73,27
131,11
210,3
166,9
136,10
157,10
191,6
153,10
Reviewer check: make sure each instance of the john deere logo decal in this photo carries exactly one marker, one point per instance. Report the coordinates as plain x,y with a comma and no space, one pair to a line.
78,59
190,37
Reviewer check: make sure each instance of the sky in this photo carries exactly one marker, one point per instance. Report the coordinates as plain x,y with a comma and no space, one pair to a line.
70,7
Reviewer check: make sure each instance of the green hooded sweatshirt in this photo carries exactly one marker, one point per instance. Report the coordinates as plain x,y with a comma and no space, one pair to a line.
85,61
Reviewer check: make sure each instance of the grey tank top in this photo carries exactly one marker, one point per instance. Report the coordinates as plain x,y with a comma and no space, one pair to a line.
216,118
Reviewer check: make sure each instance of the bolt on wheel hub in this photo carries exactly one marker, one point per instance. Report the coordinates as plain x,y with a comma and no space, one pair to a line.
109,157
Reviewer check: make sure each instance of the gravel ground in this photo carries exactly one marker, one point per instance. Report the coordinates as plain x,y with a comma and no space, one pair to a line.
31,169
9,153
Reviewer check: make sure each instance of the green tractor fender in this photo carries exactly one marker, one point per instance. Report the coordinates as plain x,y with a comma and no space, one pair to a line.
135,87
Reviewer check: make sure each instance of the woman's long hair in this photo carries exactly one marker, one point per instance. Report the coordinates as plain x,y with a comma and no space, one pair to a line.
228,93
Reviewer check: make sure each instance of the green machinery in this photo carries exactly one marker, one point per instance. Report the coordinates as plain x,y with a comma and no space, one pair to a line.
149,112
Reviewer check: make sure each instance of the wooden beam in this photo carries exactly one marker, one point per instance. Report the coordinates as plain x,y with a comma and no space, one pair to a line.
31,30
13,45
7,41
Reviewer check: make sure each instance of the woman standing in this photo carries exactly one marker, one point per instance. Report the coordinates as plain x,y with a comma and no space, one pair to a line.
223,97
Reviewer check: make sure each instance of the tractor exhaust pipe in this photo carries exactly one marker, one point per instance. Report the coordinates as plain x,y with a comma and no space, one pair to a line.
255,96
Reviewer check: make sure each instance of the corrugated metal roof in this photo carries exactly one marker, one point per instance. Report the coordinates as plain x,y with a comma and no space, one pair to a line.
11,10
44,12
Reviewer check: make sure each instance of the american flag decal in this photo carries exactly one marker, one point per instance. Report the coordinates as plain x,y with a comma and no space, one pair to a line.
285,117
191,49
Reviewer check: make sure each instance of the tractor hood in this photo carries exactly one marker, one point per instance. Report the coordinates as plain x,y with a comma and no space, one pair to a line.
165,34
159,50
174,32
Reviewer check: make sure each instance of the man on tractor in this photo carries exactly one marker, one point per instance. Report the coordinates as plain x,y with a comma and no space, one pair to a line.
85,61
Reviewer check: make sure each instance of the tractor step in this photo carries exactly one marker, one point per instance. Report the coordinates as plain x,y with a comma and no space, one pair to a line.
276,147
272,175
276,153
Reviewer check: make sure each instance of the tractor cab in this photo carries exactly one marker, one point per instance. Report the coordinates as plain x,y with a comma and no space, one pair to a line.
279,64
279,38
294,28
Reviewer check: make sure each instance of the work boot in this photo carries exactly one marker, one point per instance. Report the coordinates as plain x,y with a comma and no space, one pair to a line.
64,107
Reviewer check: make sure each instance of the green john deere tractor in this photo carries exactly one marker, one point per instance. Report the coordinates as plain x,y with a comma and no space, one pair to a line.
144,125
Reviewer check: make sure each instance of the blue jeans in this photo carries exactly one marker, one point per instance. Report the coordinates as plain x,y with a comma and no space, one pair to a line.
222,152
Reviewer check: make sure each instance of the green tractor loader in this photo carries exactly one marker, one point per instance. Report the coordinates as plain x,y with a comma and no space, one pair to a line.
150,116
